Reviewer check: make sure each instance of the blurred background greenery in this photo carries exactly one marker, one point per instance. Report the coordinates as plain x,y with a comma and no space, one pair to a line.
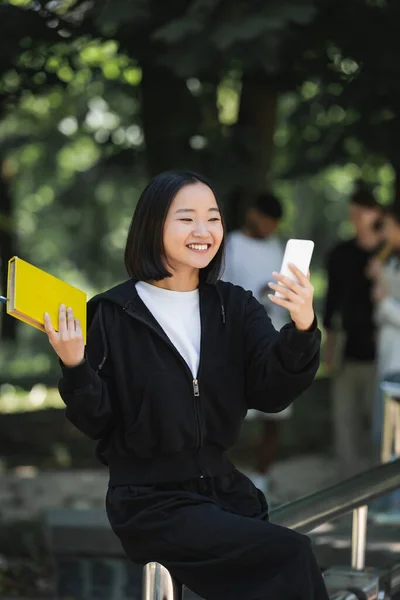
95,97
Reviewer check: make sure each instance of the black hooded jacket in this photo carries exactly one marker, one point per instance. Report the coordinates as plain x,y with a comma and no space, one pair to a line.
135,393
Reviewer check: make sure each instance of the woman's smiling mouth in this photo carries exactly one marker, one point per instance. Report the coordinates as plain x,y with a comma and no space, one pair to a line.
199,247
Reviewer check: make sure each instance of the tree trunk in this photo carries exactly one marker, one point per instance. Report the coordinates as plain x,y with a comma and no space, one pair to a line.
253,141
170,118
7,248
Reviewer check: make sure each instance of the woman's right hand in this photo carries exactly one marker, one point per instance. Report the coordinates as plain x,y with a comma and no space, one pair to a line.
68,341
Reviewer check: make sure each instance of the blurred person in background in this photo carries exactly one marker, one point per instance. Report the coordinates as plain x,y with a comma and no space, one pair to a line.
350,347
252,254
385,271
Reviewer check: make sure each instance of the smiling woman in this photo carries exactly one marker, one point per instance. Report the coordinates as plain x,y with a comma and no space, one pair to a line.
174,359
193,234
177,213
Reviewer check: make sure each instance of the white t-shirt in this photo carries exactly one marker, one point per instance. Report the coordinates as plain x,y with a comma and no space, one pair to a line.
250,263
178,313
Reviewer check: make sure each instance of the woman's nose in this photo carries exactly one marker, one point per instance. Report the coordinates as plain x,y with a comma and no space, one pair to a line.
201,230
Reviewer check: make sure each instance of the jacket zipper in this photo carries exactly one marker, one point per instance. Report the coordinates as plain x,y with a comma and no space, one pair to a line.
199,435
195,384
196,394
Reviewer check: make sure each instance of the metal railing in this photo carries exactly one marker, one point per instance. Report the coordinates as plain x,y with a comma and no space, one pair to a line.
158,584
309,512
343,595
303,515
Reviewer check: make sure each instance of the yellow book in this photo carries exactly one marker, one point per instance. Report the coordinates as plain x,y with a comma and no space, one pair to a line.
31,292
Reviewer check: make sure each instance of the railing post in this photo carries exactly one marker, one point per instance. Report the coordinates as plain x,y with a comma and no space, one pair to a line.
158,584
359,537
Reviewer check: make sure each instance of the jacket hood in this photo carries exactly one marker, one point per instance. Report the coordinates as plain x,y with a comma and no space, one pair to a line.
125,294
121,294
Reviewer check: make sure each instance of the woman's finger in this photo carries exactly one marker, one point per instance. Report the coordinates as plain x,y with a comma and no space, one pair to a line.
70,322
293,296
290,284
303,279
285,281
62,323
78,328
48,327
290,306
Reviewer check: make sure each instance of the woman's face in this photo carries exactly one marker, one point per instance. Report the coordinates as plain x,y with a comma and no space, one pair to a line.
392,231
193,229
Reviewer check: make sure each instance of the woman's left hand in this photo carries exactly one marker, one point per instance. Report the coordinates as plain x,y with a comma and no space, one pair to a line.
297,297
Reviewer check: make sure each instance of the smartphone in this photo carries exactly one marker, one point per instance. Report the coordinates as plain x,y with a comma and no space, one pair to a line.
298,253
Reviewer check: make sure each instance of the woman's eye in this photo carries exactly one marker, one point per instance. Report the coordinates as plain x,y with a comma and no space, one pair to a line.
188,220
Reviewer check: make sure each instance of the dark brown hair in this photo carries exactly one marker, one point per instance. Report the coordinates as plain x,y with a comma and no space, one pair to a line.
144,249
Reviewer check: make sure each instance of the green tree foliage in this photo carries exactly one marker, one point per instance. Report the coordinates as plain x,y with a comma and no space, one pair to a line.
348,111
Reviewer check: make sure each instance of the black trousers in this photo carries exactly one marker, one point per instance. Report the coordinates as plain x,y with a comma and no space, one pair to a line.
213,535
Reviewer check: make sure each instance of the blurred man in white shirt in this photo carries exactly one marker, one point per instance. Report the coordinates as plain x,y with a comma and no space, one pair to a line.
252,254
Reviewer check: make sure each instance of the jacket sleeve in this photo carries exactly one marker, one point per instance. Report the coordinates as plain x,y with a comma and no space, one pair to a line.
388,312
279,366
86,389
